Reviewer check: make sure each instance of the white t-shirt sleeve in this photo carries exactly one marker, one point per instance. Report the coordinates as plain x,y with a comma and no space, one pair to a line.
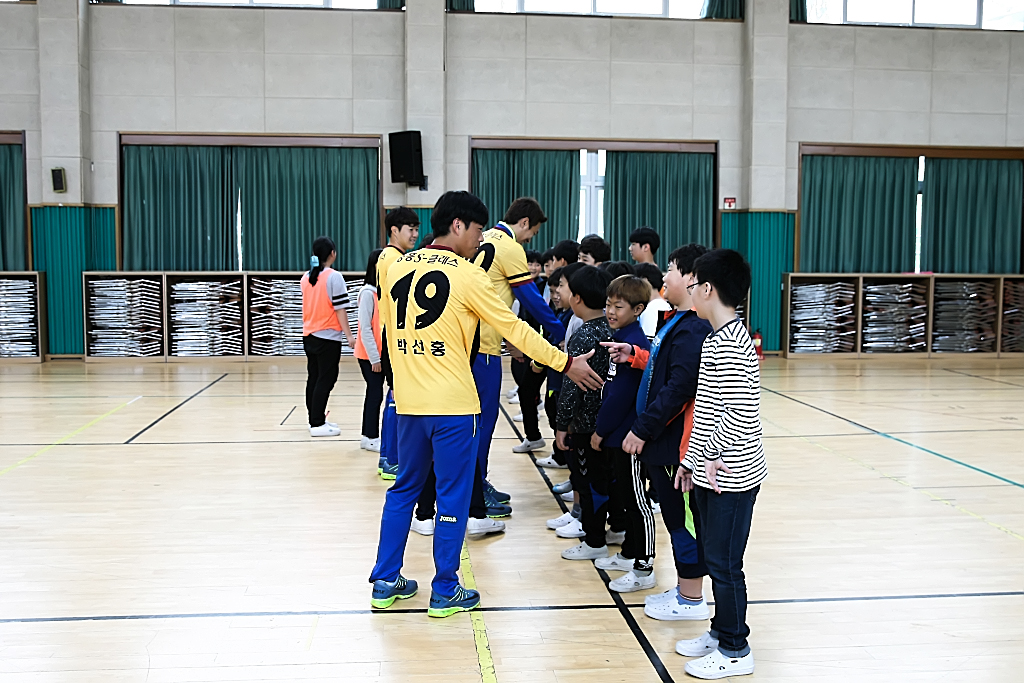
338,291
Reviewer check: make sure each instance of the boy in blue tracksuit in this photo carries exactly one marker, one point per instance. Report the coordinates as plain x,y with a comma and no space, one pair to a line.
627,297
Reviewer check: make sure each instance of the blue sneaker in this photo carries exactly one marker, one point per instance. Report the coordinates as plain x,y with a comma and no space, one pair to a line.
389,471
381,462
495,494
463,601
385,593
497,510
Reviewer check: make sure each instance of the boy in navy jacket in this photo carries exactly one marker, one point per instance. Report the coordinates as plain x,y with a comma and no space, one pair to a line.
669,384
626,299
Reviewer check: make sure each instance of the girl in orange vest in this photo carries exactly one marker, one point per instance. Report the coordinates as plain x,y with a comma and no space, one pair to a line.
367,350
324,326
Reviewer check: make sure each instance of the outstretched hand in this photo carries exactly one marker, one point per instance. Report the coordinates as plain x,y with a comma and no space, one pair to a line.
620,352
582,374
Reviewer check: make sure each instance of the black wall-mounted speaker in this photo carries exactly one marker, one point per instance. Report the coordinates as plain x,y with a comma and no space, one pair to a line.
406,157
60,182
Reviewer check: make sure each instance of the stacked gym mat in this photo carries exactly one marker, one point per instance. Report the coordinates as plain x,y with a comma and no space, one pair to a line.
895,317
18,318
822,318
275,323
206,317
1013,316
965,317
124,317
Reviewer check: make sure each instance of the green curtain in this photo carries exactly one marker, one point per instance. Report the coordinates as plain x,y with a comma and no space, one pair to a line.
673,192
552,177
67,240
390,4
12,208
723,9
858,214
972,215
180,207
292,195
798,11
461,5
766,240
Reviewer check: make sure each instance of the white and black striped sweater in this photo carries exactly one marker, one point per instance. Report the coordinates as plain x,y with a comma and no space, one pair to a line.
727,411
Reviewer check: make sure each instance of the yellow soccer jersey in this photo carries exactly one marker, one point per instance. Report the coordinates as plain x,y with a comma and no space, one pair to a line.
504,259
431,308
387,257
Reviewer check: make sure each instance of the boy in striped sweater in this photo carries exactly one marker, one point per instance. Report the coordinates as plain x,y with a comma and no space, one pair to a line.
724,464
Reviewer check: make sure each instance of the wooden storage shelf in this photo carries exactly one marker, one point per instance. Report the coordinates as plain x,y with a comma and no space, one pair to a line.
963,313
22,316
204,315
125,316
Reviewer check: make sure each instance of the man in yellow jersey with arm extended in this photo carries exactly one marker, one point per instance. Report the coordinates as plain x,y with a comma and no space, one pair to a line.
503,258
433,304
403,226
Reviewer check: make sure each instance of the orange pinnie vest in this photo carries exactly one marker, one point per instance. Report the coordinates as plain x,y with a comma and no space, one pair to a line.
317,310
360,350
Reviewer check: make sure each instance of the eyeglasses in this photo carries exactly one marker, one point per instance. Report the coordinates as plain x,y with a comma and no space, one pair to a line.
689,289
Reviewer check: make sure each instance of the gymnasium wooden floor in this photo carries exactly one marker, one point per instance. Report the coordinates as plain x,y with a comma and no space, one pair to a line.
176,523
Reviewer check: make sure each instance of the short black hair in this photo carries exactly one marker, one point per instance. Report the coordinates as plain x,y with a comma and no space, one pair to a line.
651,273
685,256
646,235
525,207
547,256
591,285
371,268
556,277
568,270
596,247
567,250
459,204
400,216
427,239
616,268
533,256
727,272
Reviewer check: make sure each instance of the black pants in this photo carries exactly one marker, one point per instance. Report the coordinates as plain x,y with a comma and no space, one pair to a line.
529,383
322,356
630,481
598,502
551,409
687,546
724,529
372,400
426,503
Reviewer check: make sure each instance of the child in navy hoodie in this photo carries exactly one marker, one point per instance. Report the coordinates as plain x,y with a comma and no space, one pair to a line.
627,297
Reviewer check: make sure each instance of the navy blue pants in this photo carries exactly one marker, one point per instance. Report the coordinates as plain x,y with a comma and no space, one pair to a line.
724,529
487,375
448,444
389,431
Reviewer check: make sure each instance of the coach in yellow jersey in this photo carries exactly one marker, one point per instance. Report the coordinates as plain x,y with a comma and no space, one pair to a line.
433,302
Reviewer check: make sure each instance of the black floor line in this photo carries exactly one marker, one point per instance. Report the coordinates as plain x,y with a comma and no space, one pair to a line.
899,440
156,421
987,379
288,415
620,604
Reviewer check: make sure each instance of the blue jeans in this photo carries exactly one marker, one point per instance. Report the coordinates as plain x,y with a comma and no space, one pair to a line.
724,529
448,444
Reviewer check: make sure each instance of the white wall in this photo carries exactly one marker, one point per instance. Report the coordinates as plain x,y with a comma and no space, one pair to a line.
593,77
903,86
19,82
238,70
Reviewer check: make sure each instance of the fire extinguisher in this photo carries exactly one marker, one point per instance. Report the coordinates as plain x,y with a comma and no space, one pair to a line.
757,339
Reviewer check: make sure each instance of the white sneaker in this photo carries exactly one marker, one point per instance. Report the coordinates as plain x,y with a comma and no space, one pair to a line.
324,430
511,393
674,609
615,537
567,497
662,597
656,508
698,647
526,446
716,665
518,418
559,522
584,552
573,529
482,527
615,562
424,527
631,581
368,444
514,400
550,463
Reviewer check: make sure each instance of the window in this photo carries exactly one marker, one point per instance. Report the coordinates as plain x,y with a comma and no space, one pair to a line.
920,214
592,165
335,4
675,9
1000,15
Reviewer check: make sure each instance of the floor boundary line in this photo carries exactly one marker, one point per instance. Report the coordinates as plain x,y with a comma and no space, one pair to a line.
480,640
898,440
619,603
156,421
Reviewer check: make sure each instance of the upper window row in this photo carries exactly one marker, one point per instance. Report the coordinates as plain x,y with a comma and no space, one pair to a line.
998,15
